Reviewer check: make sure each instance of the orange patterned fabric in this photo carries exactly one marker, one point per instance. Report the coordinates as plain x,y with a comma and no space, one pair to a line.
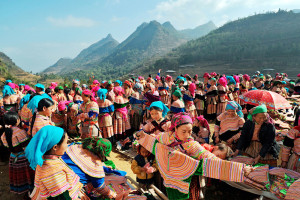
54,178
18,137
86,161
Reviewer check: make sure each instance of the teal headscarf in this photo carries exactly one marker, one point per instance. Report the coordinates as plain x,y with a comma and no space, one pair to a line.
40,86
256,110
8,81
160,105
7,91
34,102
232,105
120,82
24,100
102,94
43,141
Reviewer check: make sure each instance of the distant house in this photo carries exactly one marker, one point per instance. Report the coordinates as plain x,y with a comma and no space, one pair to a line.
183,66
170,71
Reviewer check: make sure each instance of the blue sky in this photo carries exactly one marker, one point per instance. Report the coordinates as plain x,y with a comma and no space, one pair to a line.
36,33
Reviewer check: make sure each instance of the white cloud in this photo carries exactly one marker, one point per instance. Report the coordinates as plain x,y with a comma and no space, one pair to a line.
71,21
117,19
190,13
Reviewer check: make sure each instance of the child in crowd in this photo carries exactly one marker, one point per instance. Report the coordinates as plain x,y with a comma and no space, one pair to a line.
144,167
201,130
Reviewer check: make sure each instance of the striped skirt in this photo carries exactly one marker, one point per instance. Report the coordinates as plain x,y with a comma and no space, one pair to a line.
294,162
253,151
21,176
120,123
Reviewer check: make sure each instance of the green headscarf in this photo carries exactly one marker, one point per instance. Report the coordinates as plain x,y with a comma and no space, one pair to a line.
177,93
99,146
256,110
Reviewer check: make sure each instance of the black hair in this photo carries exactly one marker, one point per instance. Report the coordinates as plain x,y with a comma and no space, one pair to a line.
43,103
48,91
224,147
59,143
163,80
56,89
30,92
67,92
10,118
156,108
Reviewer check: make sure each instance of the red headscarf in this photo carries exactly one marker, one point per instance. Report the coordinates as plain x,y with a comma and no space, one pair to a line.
203,122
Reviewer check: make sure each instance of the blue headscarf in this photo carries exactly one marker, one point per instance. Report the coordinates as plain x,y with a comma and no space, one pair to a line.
102,94
40,86
21,84
120,82
43,141
24,100
232,105
7,91
231,80
34,102
160,105
139,87
179,79
8,81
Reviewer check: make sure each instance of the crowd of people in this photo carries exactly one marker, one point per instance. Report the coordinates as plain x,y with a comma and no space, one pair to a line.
204,121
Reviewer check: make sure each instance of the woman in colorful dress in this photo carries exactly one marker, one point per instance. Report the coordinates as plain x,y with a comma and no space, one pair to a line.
10,99
258,138
188,97
290,155
78,96
159,123
179,138
244,86
177,105
128,91
89,161
137,103
88,115
200,98
229,124
236,91
21,176
53,178
222,94
163,89
42,117
72,120
106,111
120,118
25,113
201,130
211,101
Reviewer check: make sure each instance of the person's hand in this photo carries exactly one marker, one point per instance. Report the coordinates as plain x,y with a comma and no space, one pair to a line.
229,141
283,164
217,139
140,134
255,161
83,196
112,195
247,170
235,153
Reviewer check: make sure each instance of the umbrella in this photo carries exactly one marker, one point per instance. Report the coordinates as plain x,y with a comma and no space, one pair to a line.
271,99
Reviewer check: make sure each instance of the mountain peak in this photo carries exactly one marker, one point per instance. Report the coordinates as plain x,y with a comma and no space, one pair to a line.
109,36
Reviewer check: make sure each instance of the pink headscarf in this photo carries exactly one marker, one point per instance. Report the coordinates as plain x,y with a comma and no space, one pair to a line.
223,81
95,90
119,91
96,82
157,77
89,93
180,118
246,77
141,78
168,77
12,85
192,88
236,78
62,105
213,74
206,75
53,85
203,122
298,75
